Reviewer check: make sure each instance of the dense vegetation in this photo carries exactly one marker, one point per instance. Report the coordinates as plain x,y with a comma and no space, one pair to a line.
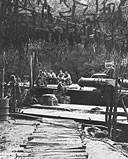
68,35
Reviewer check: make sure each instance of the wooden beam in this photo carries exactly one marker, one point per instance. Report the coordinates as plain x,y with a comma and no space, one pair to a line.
97,6
125,109
3,75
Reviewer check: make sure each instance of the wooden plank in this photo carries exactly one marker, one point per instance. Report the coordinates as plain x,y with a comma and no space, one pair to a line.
67,114
74,107
58,142
48,141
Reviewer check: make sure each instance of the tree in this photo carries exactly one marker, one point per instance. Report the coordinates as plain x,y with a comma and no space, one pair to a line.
63,28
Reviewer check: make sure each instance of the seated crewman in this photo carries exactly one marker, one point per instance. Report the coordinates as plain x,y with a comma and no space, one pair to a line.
60,76
67,78
41,79
52,77
47,76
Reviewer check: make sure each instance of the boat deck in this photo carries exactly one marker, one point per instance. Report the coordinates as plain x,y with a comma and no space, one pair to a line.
86,113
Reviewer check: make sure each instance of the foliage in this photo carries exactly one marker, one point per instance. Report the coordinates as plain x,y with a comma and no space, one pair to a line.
69,35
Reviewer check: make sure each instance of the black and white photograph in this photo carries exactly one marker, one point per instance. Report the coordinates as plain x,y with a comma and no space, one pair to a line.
63,79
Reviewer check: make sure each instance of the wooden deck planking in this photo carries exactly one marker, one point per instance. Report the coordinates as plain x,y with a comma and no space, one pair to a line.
57,142
74,115
75,107
51,139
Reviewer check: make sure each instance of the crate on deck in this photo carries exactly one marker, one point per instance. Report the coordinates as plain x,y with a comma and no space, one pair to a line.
64,99
49,99
61,98
57,93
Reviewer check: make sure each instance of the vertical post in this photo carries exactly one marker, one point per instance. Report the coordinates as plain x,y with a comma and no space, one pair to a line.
104,4
97,6
109,106
3,75
115,104
31,71
73,9
34,65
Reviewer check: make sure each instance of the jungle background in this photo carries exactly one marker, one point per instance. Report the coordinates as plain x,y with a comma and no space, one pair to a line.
77,36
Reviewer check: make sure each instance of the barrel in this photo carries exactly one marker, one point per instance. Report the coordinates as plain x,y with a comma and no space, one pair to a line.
4,109
95,82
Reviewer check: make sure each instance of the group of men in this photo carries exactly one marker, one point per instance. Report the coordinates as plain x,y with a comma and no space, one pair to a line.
50,77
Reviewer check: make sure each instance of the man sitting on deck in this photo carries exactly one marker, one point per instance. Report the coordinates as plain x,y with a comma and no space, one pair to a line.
52,77
67,78
41,79
60,76
47,76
